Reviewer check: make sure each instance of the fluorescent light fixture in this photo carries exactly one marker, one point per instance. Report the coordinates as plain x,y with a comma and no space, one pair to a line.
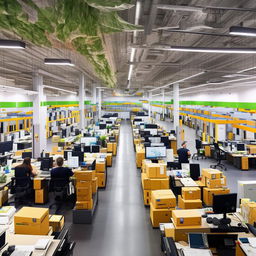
205,49
179,81
17,90
179,8
242,31
12,44
58,62
59,89
245,70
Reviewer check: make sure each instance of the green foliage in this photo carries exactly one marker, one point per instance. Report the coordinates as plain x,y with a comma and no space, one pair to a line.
103,138
79,23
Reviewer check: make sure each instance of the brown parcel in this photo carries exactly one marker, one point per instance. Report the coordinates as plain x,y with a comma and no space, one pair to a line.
158,216
163,199
212,173
191,193
189,204
186,217
56,222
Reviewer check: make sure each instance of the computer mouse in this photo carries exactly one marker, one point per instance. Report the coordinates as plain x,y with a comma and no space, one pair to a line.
204,216
209,220
215,221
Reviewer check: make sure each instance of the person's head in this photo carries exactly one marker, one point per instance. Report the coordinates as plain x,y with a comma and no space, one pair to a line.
184,144
27,161
60,161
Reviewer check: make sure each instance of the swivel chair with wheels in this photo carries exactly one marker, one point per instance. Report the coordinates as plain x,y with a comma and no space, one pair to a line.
198,148
219,156
59,187
22,189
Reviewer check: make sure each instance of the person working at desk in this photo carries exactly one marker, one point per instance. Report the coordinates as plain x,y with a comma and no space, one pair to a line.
183,153
24,170
61,172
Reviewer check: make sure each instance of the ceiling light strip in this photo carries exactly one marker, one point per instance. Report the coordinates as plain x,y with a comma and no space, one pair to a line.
12,44
58,62
242,31
59,89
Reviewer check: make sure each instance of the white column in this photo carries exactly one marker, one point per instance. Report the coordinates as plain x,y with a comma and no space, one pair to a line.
100,101
149,104
81,100
163,99
39,117
176,104
94,94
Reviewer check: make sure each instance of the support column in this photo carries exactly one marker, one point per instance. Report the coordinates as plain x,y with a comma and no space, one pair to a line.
100,101
149,103
94,94
176,105
39,117
163,99
81,101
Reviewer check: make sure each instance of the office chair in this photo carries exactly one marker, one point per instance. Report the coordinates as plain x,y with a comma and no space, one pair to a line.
22,189
220,156
59,187
198,148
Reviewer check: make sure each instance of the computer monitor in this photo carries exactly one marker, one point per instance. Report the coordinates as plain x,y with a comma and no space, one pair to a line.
89,140
194,171
155,139
224,204
87,149
61,144
109,122
77,148
77,132
95,149
26,154
173,132
240,147
66,153
46,163
79,154
165,140
112,138
155,152
102,126
6,146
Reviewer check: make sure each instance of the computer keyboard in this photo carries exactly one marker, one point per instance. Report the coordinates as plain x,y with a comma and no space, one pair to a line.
45,173
229,229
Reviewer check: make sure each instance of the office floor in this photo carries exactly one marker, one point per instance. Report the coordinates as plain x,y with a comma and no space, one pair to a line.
121,225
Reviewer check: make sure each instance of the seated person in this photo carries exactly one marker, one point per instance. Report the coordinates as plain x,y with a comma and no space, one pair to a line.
183,153
61,172
24,172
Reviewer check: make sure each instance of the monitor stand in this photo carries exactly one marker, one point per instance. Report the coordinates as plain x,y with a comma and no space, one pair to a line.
224,222
154,161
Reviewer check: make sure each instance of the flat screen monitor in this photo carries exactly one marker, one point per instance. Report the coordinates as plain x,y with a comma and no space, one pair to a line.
79,154
87,149
155,152
240,147
172,132
155,139
77,148
6,146
194,171
224,203
103,126
77,132
66,153
165,139
150,126
61,144
95,149
109,122
112,138
89,140
26,154
73,162
46,163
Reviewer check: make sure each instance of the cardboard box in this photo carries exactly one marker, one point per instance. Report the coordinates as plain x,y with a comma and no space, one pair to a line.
32,221
83,183
154,184
56,222
189,204
212,173
191,193
41,196
103,150
216,183
248,211
109,159
209,192
84,175
161,170
55,138
84,205
4,196
101,179
84,192
151,170
147,196
100,167
187,217
39,183
163,199
95,185
158,216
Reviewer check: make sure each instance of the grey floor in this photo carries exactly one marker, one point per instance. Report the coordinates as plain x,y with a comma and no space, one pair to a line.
121,224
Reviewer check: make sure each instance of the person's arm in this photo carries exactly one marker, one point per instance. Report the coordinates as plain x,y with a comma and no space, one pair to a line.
34,171
189,154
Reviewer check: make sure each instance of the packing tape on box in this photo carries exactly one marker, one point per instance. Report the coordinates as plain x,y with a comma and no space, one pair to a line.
161,170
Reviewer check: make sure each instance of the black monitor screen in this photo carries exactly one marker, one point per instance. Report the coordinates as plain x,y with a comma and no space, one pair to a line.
224,203
66,154
194,171
108,122
26,154
61,144
87,149
79,154
6,146
102,126
95,149
172,132
46,163
240,147
77,148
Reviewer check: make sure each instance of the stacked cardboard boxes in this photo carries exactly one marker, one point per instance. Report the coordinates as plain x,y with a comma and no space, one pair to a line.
41,190
248,211
190,198
154,178
140,155
86,184
215,183
162,203
56,222
112,148
101,173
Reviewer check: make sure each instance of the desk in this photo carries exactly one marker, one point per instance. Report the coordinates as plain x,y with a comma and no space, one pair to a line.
245,249
31,240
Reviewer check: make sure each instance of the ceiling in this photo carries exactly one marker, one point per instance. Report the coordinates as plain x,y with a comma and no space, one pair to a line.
176,25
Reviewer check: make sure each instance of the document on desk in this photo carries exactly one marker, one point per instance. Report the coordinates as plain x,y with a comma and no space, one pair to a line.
197,252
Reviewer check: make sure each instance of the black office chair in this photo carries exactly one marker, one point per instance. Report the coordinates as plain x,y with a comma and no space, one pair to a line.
219,156
59,187
22,189
93,166
199,148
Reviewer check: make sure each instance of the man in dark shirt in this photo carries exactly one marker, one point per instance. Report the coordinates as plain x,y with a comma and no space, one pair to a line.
61,172
183,153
